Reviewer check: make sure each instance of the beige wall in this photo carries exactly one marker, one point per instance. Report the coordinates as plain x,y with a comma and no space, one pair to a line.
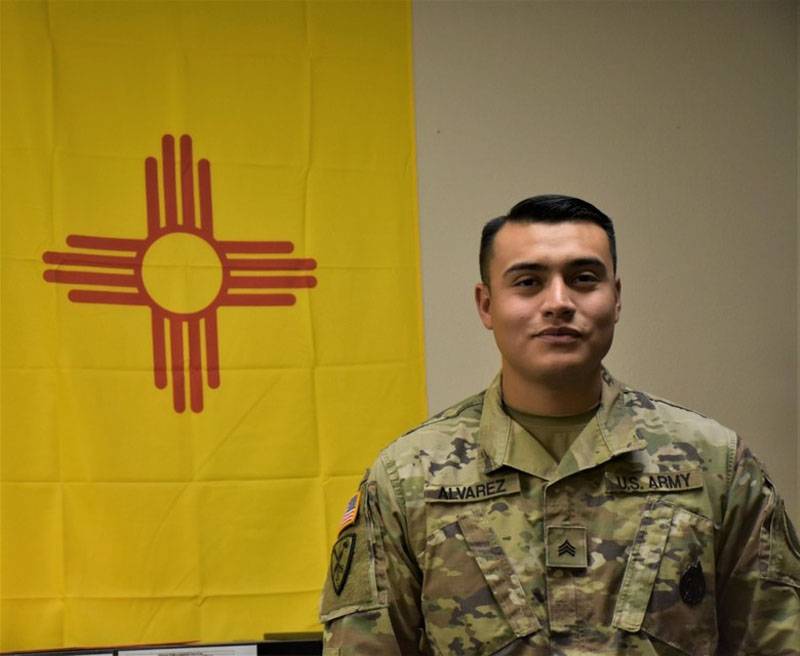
680,121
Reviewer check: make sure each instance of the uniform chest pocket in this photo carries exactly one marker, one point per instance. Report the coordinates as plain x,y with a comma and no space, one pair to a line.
668,589
472,598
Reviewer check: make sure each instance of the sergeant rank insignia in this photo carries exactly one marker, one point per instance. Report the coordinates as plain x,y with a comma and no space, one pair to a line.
341,559
566,547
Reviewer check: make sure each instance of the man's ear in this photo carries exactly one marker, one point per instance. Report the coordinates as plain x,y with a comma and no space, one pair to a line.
483,302
618,305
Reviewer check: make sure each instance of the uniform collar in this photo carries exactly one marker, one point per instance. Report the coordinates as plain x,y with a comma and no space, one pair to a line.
610,432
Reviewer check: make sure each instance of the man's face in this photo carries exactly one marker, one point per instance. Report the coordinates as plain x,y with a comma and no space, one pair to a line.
552,300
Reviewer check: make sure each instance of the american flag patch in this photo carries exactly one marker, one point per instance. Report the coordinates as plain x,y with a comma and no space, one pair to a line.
350,512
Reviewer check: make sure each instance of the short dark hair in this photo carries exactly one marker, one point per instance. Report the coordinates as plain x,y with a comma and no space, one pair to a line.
549,208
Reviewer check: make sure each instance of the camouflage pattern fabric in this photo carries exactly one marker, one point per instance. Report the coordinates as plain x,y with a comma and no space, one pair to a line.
657,533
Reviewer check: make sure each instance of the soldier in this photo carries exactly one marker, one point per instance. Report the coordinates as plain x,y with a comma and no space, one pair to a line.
559,511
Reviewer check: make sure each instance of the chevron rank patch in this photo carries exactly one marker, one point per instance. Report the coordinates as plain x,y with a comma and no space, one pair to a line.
566,546
350,512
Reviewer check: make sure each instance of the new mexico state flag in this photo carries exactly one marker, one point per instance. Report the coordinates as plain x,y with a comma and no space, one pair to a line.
210,308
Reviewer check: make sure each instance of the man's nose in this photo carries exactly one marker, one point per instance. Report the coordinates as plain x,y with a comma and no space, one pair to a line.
558,300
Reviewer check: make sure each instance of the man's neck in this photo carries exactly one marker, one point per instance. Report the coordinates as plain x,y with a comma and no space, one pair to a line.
560,397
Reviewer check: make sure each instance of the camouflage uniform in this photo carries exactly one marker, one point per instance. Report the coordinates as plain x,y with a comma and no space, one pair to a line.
658,533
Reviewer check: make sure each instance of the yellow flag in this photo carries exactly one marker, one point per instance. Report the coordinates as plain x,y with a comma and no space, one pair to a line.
210,308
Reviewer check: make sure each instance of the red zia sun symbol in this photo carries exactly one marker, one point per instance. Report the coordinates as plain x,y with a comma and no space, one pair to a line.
181,272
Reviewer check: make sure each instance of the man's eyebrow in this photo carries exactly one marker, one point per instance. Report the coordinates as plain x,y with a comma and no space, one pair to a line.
572,264
587,261
524,266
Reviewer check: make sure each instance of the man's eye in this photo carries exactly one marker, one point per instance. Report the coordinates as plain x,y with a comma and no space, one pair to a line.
586,278
525,282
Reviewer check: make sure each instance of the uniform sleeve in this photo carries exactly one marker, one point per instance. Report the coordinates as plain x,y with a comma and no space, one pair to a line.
758,575
376,609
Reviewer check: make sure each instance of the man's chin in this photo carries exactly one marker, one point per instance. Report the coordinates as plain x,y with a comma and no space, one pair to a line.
565,373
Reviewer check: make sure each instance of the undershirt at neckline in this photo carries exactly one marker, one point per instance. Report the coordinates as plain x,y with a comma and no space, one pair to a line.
554,434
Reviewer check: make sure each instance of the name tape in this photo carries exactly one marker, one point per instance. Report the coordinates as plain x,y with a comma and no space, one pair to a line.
487,489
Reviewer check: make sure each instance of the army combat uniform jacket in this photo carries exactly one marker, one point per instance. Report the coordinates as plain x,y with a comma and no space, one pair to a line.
657,533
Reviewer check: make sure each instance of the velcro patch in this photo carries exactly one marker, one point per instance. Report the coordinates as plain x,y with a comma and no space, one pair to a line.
643,482
692,585
487,489
780,549
341,559
350,512
566,546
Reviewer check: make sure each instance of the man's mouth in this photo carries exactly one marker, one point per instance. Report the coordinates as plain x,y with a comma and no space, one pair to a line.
560,335
561,331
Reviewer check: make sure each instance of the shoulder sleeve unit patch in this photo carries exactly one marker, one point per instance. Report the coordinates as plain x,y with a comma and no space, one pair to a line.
341,559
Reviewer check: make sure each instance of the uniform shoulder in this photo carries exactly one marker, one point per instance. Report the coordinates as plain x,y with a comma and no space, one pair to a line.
459,422
690,425
468,408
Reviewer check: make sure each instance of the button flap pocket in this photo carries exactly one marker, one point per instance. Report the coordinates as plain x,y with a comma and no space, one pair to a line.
472,597
500,577
668,589
643,563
